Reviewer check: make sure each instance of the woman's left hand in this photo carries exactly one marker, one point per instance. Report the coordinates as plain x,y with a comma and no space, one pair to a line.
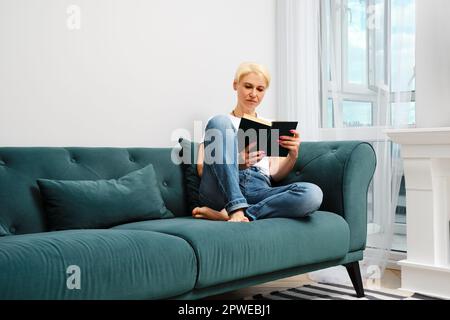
291,143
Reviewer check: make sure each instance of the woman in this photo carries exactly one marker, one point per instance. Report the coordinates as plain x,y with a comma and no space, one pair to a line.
241,190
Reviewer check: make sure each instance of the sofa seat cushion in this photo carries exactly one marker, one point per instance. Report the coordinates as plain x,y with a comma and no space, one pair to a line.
228,251
95,264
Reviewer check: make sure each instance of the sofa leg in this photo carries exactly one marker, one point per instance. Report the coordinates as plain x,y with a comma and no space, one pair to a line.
355,275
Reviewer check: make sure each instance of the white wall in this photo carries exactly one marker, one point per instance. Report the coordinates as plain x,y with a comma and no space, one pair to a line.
135,71
433,63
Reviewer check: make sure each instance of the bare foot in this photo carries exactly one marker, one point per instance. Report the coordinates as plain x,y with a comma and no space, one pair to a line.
210,214
238,216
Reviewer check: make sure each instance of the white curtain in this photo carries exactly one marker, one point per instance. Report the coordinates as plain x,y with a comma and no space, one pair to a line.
315,87
298,79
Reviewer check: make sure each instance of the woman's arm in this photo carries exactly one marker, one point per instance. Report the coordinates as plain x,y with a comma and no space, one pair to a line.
248,158
200,158
280,167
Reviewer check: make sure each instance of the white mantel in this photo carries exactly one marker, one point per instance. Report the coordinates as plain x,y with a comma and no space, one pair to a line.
426,154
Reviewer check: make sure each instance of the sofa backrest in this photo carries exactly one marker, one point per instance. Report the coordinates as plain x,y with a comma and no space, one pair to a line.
21,208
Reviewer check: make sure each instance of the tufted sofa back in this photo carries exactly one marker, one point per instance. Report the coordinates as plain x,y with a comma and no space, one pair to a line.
21,209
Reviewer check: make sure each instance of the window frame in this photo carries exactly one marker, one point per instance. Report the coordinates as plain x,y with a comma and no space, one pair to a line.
347,86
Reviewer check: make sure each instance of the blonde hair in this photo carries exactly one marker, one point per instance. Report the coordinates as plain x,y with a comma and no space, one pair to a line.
251,67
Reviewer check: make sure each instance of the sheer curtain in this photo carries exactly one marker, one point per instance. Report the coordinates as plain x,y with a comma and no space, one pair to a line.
344,72
298,62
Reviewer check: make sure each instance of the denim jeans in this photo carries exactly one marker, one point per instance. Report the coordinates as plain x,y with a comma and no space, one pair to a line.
223,185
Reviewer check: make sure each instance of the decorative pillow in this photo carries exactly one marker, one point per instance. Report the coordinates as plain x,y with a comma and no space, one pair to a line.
103,203
188,154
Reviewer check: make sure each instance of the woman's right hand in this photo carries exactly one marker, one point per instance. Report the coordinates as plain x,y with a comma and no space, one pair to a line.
248,157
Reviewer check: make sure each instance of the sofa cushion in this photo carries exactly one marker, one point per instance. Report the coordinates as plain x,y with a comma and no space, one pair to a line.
189,153
103,203
113,264
229,251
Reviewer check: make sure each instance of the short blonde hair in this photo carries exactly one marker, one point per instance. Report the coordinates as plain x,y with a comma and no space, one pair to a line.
251,67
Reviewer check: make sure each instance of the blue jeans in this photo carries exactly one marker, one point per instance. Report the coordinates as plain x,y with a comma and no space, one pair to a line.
223,185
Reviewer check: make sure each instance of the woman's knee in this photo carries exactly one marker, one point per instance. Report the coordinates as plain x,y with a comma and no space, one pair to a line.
316,196
220,122
311,199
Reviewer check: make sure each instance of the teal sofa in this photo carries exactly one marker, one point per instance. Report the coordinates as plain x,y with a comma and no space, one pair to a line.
176,258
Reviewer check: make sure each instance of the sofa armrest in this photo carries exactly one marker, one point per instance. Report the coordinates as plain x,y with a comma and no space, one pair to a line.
343,170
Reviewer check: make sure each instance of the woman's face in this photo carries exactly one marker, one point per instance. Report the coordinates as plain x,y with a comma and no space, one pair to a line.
250,91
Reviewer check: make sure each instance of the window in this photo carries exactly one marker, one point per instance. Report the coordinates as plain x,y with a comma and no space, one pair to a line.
355,43
357,114
368,52
370,60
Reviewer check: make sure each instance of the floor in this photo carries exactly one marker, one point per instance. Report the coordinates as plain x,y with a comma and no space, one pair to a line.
390,282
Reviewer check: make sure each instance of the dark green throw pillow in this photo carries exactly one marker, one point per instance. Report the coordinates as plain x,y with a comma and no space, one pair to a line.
103,203
188,154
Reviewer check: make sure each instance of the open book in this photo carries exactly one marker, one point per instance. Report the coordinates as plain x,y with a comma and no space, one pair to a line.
265,133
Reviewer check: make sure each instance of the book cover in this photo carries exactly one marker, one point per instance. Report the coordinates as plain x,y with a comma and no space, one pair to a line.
266,135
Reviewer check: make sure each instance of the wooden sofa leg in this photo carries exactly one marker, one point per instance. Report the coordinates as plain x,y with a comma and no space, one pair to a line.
355,275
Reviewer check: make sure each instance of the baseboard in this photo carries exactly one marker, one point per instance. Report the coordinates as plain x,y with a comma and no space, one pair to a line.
426,279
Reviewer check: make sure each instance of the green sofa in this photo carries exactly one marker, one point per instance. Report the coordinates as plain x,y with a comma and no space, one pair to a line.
176,258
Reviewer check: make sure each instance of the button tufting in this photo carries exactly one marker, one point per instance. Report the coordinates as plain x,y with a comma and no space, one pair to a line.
12,230
132,159
298,173
73,160
165,184
2,163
